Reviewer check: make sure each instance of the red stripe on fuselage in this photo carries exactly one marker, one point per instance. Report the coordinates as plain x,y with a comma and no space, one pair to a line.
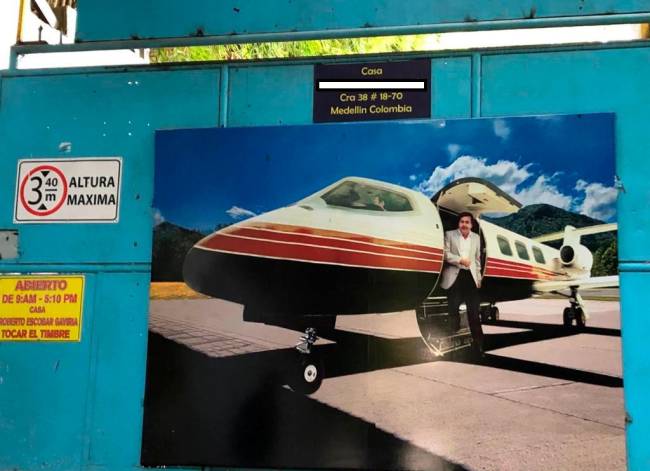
330,255
330,242
505,268
507,273
501,263
349,236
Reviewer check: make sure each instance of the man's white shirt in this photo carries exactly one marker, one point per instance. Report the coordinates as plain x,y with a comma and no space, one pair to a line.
464,246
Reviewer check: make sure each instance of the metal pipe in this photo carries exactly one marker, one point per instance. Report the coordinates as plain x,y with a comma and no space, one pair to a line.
224,88
13,59
19,29
634,266
307,60
339,33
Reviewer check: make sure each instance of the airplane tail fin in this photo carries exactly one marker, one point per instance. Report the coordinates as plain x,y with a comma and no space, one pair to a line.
571,234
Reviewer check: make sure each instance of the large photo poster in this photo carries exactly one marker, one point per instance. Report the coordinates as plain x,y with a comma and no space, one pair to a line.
370,295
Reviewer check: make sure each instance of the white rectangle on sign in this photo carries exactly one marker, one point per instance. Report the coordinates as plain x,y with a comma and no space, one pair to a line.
68,190
371,85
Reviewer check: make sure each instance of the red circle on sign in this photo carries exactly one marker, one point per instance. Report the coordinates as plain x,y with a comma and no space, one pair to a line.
58,205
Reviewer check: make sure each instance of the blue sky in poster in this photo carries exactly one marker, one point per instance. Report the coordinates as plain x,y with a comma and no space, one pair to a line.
211,176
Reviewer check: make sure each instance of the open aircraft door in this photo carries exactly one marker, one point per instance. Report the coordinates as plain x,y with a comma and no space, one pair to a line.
441,333
476,196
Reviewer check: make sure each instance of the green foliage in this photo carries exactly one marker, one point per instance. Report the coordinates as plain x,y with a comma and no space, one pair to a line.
310,48
170,245
606,260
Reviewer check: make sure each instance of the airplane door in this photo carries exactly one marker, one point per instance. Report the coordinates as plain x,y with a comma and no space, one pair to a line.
441,332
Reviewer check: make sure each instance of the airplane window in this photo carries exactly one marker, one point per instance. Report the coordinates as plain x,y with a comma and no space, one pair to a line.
361,196
539,256
522,251
504,245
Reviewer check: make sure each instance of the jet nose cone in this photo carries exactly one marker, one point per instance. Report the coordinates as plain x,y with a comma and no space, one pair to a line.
215,274
196,270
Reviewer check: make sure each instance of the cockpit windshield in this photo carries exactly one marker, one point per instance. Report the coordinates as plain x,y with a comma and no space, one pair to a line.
357,195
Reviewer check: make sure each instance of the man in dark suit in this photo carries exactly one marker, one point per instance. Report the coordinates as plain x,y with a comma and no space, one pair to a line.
461,275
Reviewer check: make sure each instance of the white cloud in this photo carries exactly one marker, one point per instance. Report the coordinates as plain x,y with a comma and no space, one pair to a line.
501,129
453,150
581,185
158,218
599,201
505,174
543,191
413,177
528,188
240,213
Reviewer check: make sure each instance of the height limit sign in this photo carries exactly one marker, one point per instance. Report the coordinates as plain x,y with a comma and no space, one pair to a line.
68,190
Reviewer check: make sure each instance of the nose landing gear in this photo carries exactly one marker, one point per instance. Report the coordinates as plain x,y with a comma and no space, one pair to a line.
307,341
306,375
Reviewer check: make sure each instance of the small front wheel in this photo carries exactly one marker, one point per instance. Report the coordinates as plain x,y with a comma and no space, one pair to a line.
306,375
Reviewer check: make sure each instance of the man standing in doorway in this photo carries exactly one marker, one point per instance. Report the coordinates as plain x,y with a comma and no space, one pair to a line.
461,275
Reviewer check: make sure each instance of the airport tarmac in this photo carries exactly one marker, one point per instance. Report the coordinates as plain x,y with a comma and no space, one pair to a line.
544,397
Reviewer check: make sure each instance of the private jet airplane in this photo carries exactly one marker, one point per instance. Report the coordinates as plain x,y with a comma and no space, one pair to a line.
364,246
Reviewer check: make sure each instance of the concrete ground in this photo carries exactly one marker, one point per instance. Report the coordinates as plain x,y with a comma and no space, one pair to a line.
543,398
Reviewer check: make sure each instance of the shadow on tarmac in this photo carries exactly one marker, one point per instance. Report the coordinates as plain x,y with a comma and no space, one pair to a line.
381,353
233,411
538,332
557,329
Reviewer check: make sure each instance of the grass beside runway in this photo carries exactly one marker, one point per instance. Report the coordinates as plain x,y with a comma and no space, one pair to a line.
172,290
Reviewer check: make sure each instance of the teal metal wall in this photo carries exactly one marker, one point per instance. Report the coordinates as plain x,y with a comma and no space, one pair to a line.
79,405
264,19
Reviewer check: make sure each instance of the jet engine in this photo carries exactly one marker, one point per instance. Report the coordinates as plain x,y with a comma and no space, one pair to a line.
576,256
